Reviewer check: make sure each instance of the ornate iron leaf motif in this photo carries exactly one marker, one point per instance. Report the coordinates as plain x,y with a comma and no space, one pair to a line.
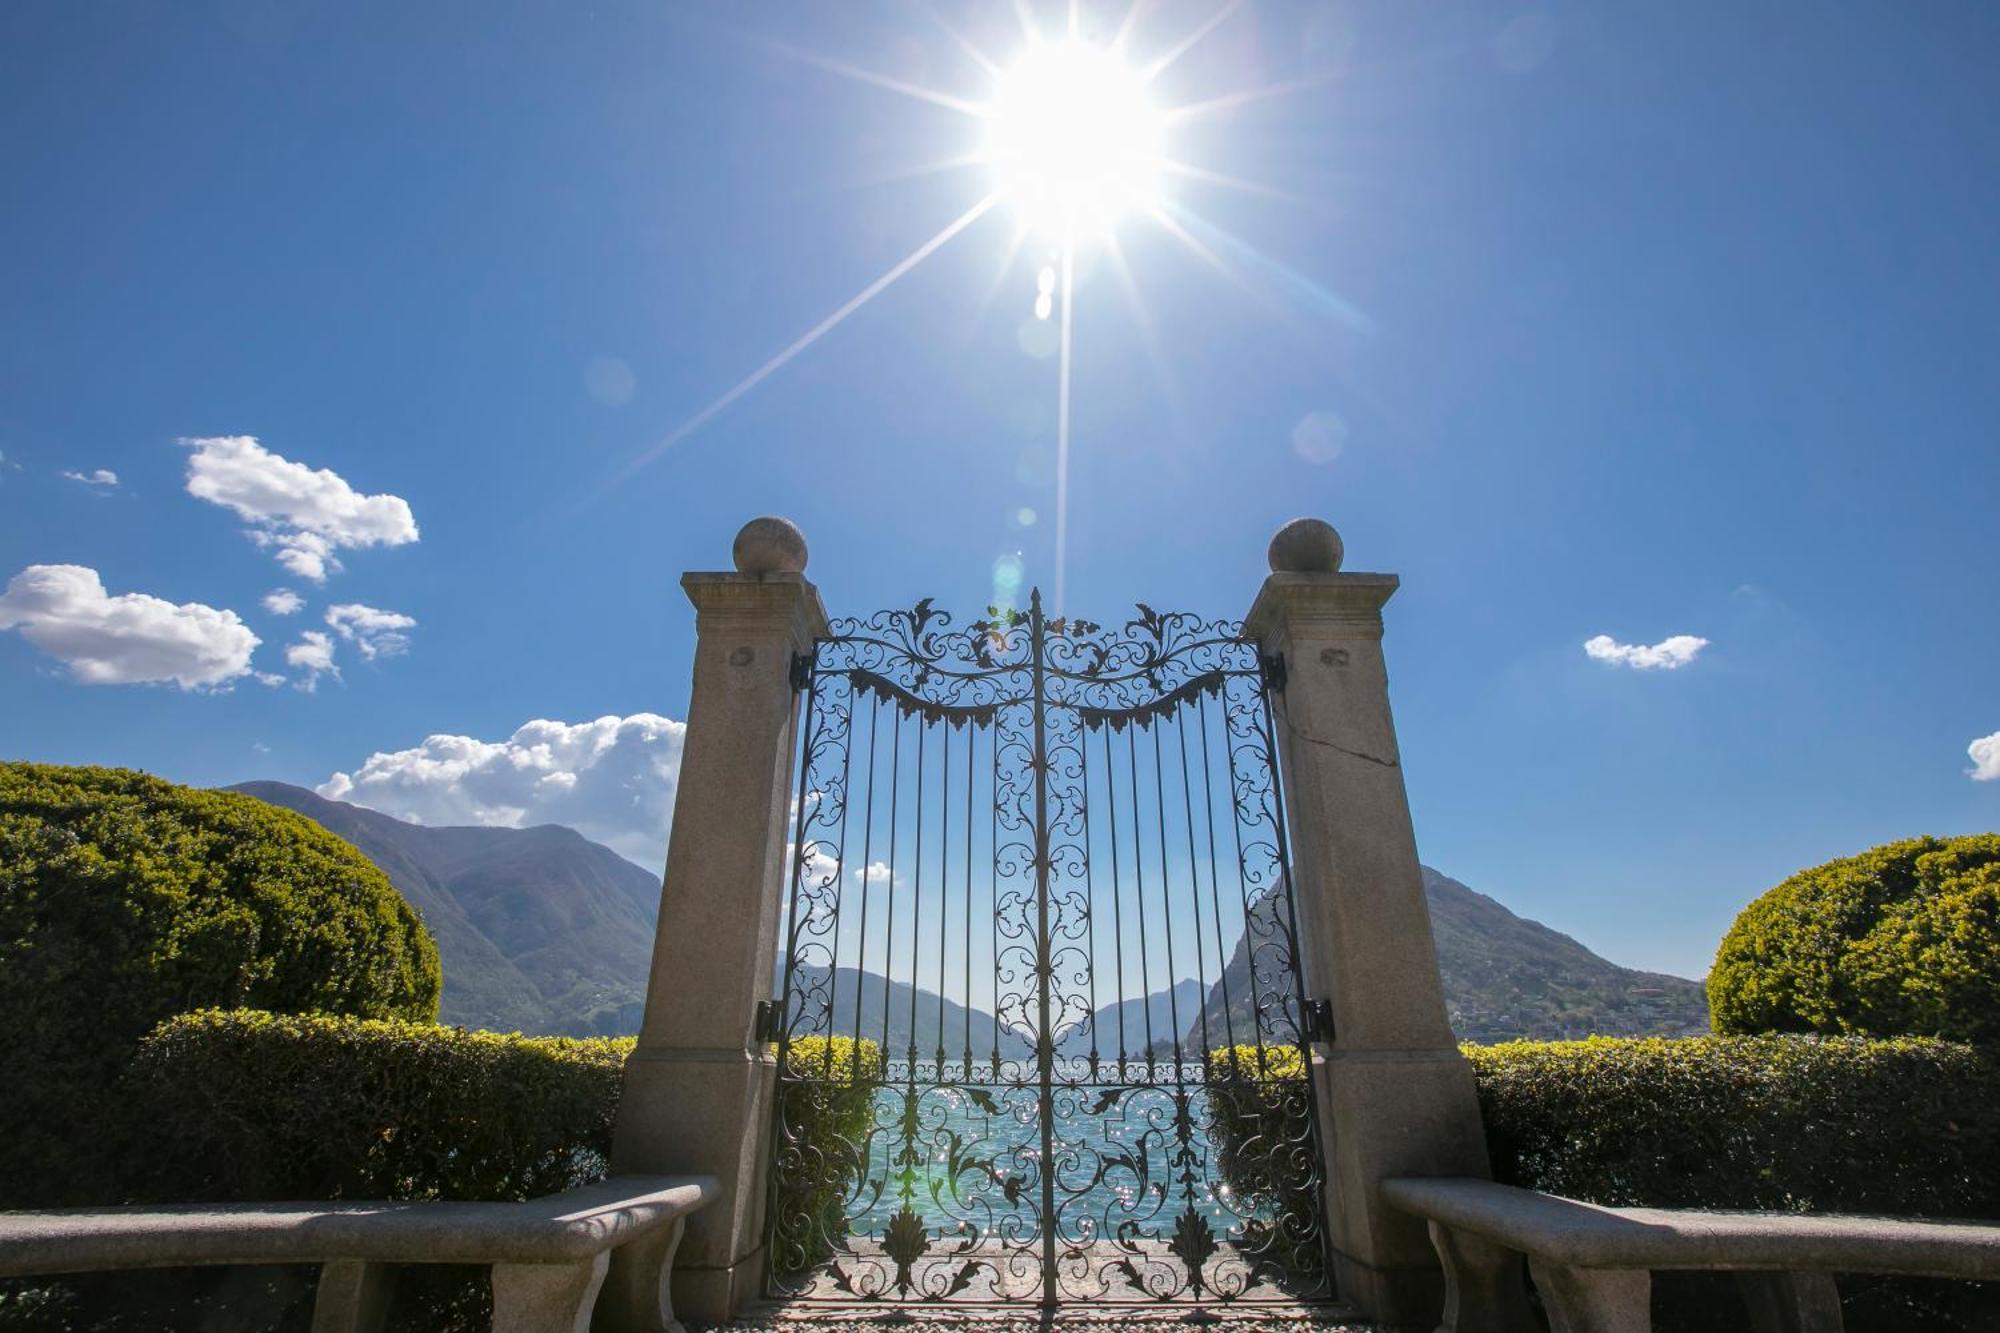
1009,838
905,1241
1193,1244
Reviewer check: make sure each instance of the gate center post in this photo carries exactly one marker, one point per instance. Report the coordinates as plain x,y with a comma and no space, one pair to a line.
698,1086
1395,1096
1044,960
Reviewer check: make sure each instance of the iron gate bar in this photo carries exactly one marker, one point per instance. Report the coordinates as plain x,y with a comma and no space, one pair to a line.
1045,1046
1046,985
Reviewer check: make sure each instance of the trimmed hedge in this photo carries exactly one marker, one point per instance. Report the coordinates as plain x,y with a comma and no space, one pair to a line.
1255,1101
125,899
246,1105
826,1110
1907,1126
1259,1110
1903,939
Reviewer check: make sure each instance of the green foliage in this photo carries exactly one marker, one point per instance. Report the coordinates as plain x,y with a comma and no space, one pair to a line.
125,899
826,1109
540,931
245,1105
1260,1126
1259,1062
1903,939
248,1105
1907,1126
835,1060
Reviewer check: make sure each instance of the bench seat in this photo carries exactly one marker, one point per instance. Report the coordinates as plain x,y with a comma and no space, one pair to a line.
1593,1264
549,1256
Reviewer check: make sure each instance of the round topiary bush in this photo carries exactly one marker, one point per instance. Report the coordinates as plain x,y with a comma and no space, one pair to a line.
1902,940
125,899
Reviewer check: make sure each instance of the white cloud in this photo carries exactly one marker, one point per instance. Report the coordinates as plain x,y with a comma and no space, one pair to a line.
312,654
282,601
822,864
103,476
128,639
1666,655
377,633
305,515
612,780
1985,754
305,555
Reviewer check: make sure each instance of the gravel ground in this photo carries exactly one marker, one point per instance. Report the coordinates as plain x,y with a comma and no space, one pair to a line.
961,1325
780,1321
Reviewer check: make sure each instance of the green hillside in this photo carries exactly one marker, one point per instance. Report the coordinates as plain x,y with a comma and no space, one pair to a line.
1505,977
543,930
539,929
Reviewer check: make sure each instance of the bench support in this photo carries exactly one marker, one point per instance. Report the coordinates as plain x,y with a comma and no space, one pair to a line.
1593,1263
1484,1288
638,1295
547,1298
1595,1300
1791,1302
353,1296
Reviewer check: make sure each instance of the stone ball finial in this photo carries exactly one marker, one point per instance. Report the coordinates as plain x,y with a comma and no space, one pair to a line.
770,545
1306,546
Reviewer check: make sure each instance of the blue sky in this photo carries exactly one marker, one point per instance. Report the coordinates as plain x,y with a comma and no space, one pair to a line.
1635,321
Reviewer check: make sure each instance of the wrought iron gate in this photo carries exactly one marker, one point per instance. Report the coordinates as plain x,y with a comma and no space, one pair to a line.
1040,1034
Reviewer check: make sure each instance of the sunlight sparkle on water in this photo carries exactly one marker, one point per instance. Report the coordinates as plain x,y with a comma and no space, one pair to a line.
1073,140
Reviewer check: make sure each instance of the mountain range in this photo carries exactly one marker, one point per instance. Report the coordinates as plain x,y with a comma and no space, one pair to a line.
540,930
544,931
890,1015
1505,977
1135,1026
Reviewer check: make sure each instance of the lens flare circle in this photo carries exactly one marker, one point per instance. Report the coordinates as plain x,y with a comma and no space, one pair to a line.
1073,140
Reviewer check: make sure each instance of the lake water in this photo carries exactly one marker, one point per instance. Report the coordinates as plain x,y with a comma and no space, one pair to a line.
1133,1161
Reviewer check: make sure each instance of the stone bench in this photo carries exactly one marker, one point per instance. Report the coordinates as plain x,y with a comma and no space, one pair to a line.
548,1256
1594,1266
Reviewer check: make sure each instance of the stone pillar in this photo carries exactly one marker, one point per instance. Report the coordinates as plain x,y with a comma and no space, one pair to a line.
697,1096
1396,1098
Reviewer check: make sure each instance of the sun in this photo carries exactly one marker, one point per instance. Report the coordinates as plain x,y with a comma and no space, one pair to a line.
1072,142
1072,139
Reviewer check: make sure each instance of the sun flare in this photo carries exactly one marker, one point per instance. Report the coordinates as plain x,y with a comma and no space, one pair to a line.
1073,140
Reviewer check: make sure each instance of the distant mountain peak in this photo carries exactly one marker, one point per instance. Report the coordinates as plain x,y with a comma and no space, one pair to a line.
538,928
544,930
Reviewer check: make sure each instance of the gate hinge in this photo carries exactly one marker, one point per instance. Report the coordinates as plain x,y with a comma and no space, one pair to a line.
1272,668
770,1021
802,670
1319,1021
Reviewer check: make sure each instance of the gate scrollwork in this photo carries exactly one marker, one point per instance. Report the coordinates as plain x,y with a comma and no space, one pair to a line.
1042,1036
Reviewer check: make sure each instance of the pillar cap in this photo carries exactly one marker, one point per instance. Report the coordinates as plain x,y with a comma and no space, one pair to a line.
1320,606
1306,546
770,545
